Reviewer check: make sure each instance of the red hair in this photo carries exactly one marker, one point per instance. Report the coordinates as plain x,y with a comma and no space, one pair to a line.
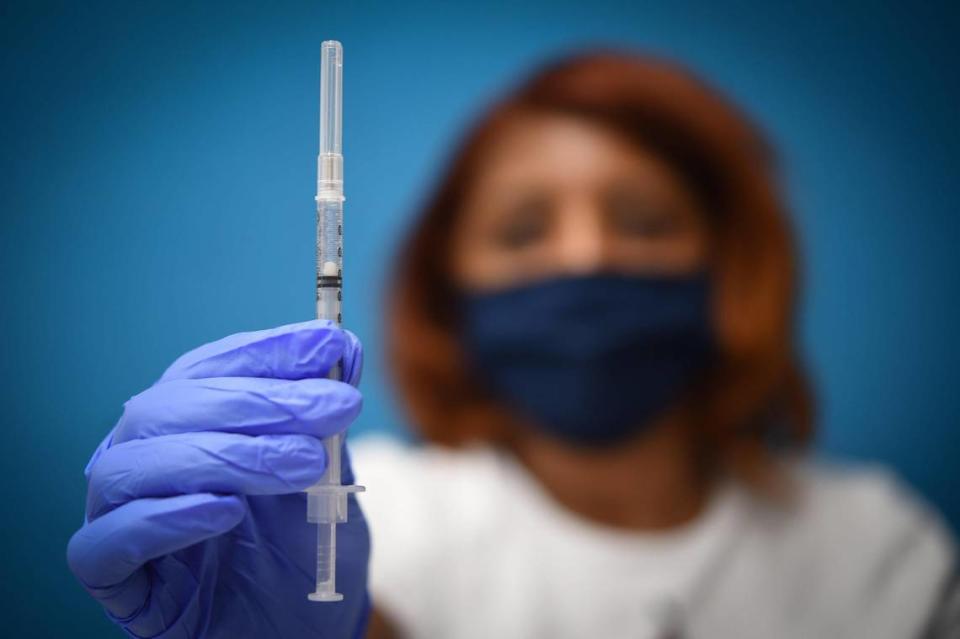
758,396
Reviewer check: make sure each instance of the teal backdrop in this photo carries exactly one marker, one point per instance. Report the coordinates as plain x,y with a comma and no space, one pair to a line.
157,180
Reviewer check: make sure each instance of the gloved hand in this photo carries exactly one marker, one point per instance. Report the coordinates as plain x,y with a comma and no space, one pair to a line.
195,526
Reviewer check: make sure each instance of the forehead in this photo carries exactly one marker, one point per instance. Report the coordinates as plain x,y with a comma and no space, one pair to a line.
544,148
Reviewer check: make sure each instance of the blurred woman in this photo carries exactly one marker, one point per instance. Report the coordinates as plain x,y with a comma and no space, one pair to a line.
593,331
596,310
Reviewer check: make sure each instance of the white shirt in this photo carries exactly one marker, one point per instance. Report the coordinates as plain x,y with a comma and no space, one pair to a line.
466,544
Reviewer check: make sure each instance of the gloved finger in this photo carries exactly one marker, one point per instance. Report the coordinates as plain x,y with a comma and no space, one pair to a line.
106,555
245,405
352,359
294,351
203,462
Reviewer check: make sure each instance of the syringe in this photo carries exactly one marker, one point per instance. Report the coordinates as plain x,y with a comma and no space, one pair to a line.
327,499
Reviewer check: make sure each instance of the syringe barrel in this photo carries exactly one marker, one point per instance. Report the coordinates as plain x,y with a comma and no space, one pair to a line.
329,259
327,499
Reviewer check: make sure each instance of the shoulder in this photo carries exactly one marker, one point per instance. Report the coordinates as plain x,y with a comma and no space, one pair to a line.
854,553
868,509
868,543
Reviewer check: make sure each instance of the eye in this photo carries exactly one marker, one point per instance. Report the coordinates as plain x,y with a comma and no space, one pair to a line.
523,224
633,215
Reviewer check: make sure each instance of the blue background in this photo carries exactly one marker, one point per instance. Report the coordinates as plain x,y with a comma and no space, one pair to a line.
158,174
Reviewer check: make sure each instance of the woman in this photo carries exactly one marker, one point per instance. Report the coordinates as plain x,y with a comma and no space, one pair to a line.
594,316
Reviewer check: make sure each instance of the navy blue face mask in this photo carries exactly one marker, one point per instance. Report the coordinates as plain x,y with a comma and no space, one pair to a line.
591,359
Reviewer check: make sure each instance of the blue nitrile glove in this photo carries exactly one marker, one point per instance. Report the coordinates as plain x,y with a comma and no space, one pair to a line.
195,523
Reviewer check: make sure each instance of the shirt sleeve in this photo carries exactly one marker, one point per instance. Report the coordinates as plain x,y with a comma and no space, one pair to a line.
907,554
914,573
